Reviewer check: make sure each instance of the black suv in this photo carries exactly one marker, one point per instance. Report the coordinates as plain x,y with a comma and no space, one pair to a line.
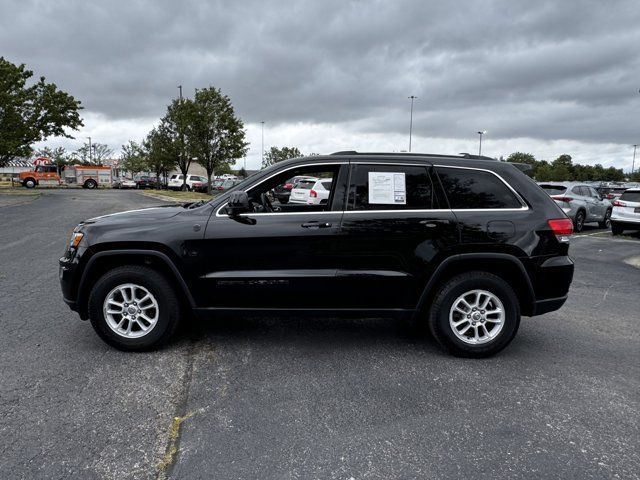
463,246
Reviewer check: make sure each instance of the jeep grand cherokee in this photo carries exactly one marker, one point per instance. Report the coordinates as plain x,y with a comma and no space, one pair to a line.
461,245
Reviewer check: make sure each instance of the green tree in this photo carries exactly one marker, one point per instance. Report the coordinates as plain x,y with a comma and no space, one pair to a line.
242,173
275,155
177,126
99,152
31,113
133,158
634,177
521,157
216,137
158,153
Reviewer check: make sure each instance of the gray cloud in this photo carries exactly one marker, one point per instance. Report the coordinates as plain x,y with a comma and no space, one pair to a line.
544,70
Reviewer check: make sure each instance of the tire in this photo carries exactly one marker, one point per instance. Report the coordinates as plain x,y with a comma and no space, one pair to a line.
90,184
616,229
606,221
442,313
283,200
578,222
165,315
30,183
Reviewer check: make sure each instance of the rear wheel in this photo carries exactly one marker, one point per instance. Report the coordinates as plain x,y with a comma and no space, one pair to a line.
616,229
90,184
475,314
134,308
578,223
606,221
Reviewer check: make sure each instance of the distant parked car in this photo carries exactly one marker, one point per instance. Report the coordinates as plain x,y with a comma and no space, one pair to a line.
319,193
582,203
125,183
282,192
222,185
626,212
300,190
143,182
176,182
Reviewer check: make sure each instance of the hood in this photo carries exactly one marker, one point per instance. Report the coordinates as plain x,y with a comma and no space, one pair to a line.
142,215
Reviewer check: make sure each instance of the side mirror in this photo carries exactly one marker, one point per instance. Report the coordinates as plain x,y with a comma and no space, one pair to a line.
238,203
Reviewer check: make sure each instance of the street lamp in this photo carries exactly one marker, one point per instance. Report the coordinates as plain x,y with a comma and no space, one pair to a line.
89,149
412,98
633,164
482,132
180,88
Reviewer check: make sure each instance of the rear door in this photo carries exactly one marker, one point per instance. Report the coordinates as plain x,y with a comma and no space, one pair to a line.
395,230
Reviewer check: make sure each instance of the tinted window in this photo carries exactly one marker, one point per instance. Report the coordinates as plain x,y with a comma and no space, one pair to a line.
472,189
411,189
630,196
592,192
554,189
577,190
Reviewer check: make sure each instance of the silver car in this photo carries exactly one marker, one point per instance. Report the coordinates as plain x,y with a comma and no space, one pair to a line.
582,203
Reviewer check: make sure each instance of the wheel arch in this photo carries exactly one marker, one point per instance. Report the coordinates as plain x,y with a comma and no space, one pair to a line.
507,267
103,261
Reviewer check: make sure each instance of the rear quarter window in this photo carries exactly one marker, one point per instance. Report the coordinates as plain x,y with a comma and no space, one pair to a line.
476,189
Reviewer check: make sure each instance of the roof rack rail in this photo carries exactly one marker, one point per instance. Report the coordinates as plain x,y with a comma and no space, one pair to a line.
407,154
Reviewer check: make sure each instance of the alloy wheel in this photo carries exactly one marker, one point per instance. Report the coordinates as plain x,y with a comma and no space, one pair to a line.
130,310
477,317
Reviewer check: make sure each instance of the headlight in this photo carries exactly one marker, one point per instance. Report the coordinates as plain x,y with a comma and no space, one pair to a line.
75,239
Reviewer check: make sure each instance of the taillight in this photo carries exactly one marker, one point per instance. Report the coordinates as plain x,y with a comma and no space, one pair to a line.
562,198
610,196
288,186
562,228
618,203
313,193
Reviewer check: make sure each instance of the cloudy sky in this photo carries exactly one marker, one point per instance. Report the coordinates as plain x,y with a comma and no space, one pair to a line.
546,77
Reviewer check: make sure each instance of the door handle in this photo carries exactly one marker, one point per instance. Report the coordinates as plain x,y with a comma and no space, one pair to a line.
434,223
316,224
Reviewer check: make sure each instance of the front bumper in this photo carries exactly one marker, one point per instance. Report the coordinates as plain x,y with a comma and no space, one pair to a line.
66,272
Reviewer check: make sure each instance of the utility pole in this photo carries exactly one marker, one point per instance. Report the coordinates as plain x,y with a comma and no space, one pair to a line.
633,164
412,97
262,154
180,88
480,146
89,149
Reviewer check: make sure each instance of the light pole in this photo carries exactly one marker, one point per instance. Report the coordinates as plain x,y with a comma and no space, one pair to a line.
180,88
633,164
89,149
262,151
480,146
412,98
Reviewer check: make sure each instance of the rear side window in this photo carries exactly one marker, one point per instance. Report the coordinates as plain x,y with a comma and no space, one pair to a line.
630,196
326,185
475,189
390,187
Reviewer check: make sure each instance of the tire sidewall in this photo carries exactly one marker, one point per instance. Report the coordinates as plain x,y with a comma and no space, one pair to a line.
159,288
439,317
579,225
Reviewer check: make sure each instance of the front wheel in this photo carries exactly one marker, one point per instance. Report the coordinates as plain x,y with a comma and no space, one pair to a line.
606,221
475,314
90,184
134,308
30,183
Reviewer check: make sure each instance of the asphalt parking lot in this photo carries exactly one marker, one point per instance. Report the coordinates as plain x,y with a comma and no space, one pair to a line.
274,398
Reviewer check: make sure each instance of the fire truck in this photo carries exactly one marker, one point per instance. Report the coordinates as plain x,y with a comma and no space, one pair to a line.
46,173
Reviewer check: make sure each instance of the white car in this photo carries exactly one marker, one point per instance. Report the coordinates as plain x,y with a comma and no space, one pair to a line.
176,181
319,193
626,212
128,183
300,190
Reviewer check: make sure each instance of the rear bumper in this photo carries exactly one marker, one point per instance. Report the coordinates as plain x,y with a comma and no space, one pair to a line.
551,279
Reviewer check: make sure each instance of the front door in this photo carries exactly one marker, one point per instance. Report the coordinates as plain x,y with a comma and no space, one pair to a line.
395,230
279,256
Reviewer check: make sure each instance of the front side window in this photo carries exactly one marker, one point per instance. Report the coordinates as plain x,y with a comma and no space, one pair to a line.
475,189
302,198
390,187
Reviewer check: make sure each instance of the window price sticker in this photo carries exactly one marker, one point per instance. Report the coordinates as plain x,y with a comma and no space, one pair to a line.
387,188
